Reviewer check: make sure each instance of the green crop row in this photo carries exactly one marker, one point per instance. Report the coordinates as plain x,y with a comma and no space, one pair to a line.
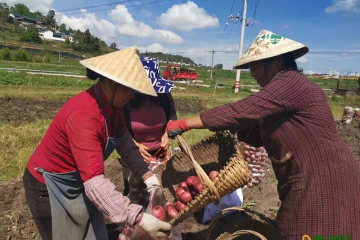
22,78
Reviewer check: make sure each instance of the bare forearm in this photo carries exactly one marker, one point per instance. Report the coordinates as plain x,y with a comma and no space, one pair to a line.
195,123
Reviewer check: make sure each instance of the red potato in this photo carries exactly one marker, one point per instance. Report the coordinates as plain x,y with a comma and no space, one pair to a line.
128,232
183,185
186,197
171,210
179,206
158,212
213,175
192,181
123,237
179,191
198,188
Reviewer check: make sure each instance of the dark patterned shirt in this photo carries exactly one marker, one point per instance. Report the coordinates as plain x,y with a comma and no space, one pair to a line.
318,178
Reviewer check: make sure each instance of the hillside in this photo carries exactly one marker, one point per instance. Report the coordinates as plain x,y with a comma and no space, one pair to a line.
164,57
40,34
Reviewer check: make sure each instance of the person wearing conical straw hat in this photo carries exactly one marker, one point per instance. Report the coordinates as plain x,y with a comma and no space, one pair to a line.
64,181
318,178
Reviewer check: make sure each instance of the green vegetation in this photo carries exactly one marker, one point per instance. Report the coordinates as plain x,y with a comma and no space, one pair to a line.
5,54
18,142
22,78
11,31
30,35
20,55
86,42
168,57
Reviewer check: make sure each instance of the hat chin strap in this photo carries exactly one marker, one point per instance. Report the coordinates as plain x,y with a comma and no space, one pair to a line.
112,99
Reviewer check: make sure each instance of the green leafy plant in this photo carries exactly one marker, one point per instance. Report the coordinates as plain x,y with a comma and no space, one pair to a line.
20,55
25,36
5,54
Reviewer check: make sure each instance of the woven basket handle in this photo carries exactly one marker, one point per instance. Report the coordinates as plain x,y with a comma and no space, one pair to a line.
240,232
204,178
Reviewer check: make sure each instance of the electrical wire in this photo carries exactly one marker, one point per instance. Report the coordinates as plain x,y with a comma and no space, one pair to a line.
232,6
95,6
128,6
252,21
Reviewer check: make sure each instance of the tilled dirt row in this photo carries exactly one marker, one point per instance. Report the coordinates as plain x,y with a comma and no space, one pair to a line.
20,110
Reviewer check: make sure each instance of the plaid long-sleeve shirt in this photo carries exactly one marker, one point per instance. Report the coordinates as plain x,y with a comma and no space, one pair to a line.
318,178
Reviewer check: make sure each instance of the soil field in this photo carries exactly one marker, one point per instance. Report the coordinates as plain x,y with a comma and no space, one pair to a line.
16,221
19,110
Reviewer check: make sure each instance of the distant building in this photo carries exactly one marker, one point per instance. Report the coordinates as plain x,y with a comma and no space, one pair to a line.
49,35
24,20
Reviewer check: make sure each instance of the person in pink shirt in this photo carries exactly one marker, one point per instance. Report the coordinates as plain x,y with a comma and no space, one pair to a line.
147,116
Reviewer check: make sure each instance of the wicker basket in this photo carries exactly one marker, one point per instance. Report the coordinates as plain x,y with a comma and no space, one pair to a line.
230,236
215,152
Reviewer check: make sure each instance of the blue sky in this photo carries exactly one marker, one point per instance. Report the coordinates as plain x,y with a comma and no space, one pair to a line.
193,28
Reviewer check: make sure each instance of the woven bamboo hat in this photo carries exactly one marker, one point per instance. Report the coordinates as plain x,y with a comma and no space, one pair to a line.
267,45
123,67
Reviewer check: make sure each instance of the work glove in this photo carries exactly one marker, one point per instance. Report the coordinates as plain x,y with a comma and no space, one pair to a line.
154,227
152,183
177,127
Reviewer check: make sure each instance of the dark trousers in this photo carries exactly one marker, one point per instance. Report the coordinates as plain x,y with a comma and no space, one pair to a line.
37,198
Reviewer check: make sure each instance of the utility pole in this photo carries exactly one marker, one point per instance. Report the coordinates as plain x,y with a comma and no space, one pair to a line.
212,62
237,82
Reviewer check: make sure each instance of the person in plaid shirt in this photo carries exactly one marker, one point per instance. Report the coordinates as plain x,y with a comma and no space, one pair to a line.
318,177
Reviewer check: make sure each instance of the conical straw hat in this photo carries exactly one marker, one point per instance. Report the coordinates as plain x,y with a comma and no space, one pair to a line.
123,67
267,45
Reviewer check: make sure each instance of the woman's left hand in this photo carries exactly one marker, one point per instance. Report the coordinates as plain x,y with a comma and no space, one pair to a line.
165,141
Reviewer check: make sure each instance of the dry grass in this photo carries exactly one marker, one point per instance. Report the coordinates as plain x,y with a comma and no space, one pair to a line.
16,146
17,143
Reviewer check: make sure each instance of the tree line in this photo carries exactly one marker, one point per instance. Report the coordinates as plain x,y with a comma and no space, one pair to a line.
82,41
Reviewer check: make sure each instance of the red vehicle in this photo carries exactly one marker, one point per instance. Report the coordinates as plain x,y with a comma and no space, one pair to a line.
176,73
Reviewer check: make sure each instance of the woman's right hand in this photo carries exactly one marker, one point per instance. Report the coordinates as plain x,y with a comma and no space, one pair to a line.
144,151
176,127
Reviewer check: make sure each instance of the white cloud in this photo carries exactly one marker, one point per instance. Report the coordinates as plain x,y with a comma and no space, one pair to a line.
343,5
302,60
286,26
156,47
334,72
34,5
146,13
187,17
125,25
100,28
83,10
161,35
121,15
136,30
309,72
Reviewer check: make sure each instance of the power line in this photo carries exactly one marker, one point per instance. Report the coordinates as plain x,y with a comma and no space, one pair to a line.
333,52
95,6
135,5
252,21
232,6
